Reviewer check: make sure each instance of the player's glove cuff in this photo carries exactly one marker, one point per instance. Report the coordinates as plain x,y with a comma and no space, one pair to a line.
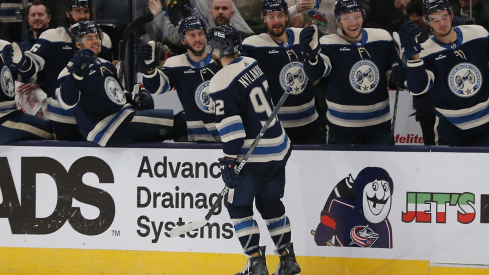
415,63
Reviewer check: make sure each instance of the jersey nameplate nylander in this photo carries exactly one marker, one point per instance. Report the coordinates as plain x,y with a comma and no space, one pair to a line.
293,78
202,98
114,91
7,82
465,80
364,76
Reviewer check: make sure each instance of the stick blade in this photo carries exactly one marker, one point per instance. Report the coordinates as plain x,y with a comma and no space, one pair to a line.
187,228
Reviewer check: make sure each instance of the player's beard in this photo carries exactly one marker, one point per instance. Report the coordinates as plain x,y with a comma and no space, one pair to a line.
73,21
278,33
196,53
437,34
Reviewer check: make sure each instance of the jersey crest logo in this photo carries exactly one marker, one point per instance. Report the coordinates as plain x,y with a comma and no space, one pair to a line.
364,76
465,80
202,98
293,78
114,91
363,236
7,82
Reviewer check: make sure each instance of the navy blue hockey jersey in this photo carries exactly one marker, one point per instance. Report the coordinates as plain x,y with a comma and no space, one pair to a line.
7,86
243,104
456,76
191,80
52,51
283,66
356,93
98,101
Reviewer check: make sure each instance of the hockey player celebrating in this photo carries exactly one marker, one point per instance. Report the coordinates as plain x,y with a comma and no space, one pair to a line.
243,102
90,88
15,124
452,68
358,62
279,55
189,74
47,58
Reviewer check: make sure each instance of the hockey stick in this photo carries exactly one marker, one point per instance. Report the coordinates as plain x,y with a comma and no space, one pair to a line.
404,62
198,224
126,34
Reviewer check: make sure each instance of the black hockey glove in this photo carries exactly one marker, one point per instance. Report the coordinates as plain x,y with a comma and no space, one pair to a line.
228,174
144,100
398,75
148,57
80,62
309,42
408,35
14,58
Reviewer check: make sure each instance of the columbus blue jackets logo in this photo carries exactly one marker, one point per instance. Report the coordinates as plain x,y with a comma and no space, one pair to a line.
364,76
355,213
293,78
114,91
202,98
465,80
7,82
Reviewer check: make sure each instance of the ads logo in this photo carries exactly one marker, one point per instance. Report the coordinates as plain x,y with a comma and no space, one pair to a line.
356,212
69,184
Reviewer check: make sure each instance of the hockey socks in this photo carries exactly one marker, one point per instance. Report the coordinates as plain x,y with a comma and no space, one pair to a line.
248,234
279,229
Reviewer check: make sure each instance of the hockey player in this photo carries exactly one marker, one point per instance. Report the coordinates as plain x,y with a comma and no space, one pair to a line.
90,88
190,75
452,68
279,54
47,58
358,62
243,103
15,124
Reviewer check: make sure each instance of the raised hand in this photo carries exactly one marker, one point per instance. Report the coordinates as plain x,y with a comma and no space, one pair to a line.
309,42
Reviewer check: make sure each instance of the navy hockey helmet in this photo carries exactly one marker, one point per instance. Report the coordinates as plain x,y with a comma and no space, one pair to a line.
347,6
78,30
191,23
274,6
431,6
223,41
78,4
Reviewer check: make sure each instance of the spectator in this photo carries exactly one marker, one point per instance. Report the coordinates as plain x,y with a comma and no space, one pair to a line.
38,18
300,20
480,11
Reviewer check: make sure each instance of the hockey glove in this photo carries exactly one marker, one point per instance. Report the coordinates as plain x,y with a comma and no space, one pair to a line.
228,174
148,57
325,229
409,34
398,75
309,42
80,62
14,58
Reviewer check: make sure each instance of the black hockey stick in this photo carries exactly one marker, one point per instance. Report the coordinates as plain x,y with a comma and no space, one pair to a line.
198,224
126,34
404,62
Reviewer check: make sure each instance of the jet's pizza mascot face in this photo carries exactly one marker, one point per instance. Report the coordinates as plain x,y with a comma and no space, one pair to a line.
376,201
373,190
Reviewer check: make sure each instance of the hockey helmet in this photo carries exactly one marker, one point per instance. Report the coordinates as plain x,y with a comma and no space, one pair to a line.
274,6
78,30
431,6
223,41
78,4
191,23
347,6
